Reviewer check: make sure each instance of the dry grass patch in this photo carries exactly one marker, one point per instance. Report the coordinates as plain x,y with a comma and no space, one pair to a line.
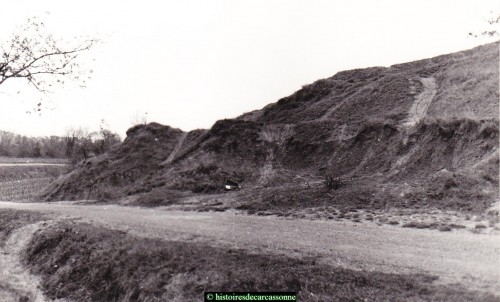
13,219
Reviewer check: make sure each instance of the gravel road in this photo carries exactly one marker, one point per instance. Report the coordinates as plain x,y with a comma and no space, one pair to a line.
456,257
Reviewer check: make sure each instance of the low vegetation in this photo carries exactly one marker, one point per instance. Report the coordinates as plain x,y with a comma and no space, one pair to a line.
24,179
84,263
11,220
333,182
443,227
23,190
24,172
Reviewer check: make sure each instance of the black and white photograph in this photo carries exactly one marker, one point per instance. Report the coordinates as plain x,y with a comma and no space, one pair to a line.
249,150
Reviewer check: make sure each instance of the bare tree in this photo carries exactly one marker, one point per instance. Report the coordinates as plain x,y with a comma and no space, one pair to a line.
105,139
492,29
36,56
6,142
82,144
79,144
139,119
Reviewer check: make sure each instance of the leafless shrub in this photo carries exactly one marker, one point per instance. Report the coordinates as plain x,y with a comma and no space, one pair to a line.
334,182
35,55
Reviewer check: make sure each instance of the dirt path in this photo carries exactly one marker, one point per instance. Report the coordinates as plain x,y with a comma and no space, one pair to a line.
419,107
30,164
470,259
16,283
177,147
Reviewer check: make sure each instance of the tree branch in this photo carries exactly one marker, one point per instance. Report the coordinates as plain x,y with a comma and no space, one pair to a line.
34,53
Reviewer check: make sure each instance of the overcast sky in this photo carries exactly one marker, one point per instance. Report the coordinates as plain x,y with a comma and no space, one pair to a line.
189,63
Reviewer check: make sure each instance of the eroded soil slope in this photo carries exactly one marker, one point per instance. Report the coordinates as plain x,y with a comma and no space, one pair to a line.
425,132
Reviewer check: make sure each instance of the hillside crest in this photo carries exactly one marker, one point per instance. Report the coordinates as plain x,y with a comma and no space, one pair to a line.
425,131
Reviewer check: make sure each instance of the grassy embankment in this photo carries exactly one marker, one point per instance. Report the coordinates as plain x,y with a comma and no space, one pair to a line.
85,263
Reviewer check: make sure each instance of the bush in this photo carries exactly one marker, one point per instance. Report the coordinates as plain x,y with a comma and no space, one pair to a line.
334,182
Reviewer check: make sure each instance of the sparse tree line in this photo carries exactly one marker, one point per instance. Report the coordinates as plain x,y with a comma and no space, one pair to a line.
34,55
78,144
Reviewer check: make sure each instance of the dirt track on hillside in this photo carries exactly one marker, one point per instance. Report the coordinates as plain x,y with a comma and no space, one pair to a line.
456,257
30,165
177,147
422,102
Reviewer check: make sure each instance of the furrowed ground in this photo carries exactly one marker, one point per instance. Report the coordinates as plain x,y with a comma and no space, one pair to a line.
22,179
